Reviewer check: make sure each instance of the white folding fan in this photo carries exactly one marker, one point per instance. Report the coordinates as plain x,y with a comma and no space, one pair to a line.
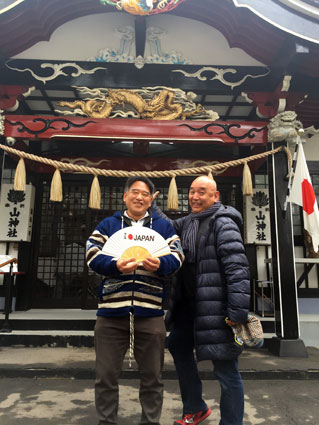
137,242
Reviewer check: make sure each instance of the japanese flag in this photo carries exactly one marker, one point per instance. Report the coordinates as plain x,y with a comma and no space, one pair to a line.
302,194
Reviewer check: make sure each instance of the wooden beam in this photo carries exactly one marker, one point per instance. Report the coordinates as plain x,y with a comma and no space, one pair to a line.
290,56
287,342
61,75
140,35
79,128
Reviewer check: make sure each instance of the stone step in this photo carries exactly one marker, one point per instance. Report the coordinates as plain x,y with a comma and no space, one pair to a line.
57,338
63,328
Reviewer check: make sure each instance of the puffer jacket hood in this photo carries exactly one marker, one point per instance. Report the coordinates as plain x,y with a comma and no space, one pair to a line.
230,212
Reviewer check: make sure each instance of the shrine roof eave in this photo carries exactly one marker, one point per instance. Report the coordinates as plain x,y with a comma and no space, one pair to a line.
246,25
86,128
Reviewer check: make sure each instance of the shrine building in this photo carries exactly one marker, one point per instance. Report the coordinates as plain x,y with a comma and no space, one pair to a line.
94,90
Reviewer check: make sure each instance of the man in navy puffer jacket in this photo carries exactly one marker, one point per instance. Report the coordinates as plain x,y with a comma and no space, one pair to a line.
211,293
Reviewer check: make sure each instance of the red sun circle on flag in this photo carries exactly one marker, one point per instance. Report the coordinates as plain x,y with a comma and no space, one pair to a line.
130,236
308,197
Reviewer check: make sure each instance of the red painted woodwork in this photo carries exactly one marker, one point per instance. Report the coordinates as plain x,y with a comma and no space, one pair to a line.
267,104
308,112
9,95
132,129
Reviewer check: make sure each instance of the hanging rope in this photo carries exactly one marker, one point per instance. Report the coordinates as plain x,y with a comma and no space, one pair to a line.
131,348
64,166
289,156
95,194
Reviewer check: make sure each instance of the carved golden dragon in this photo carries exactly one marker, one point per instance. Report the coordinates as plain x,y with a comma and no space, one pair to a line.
92,108
160,107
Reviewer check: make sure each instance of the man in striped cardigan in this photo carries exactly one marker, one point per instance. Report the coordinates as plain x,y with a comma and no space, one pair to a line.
131,294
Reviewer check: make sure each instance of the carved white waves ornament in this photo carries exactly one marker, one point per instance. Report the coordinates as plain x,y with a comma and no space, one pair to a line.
115,114
219,75
154,35
57,69
123,53
180,164
86,162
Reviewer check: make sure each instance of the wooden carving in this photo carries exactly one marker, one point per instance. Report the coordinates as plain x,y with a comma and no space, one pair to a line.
159,103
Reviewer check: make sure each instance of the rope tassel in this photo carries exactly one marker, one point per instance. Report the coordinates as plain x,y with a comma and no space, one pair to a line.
20,176
247,181
172,197
56,187
95,194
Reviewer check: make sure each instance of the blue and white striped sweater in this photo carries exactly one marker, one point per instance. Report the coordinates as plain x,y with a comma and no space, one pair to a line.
141,291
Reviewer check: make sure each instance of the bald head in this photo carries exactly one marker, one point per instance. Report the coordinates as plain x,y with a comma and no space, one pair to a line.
209,181
203,194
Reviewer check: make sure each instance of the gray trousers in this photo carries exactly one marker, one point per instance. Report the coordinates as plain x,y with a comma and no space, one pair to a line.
111,338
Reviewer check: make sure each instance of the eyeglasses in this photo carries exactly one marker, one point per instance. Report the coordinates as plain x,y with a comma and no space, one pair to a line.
136,192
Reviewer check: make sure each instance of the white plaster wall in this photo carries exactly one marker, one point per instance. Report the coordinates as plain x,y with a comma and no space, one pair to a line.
309,322
83,37
311,149
199,42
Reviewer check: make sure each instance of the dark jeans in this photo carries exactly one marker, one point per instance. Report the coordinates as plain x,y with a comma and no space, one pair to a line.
181,346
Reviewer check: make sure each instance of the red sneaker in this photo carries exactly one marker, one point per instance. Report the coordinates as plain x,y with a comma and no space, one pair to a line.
194,418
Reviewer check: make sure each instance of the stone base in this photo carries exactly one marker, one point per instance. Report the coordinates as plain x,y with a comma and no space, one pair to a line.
287,347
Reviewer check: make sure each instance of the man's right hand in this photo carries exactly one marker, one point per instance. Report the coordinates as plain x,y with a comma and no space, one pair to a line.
126,266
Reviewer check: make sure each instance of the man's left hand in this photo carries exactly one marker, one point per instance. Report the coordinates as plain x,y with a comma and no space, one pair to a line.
155,195
151,264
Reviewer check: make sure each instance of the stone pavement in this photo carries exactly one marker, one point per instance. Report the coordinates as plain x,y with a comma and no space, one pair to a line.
54,386
72,362
65,401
